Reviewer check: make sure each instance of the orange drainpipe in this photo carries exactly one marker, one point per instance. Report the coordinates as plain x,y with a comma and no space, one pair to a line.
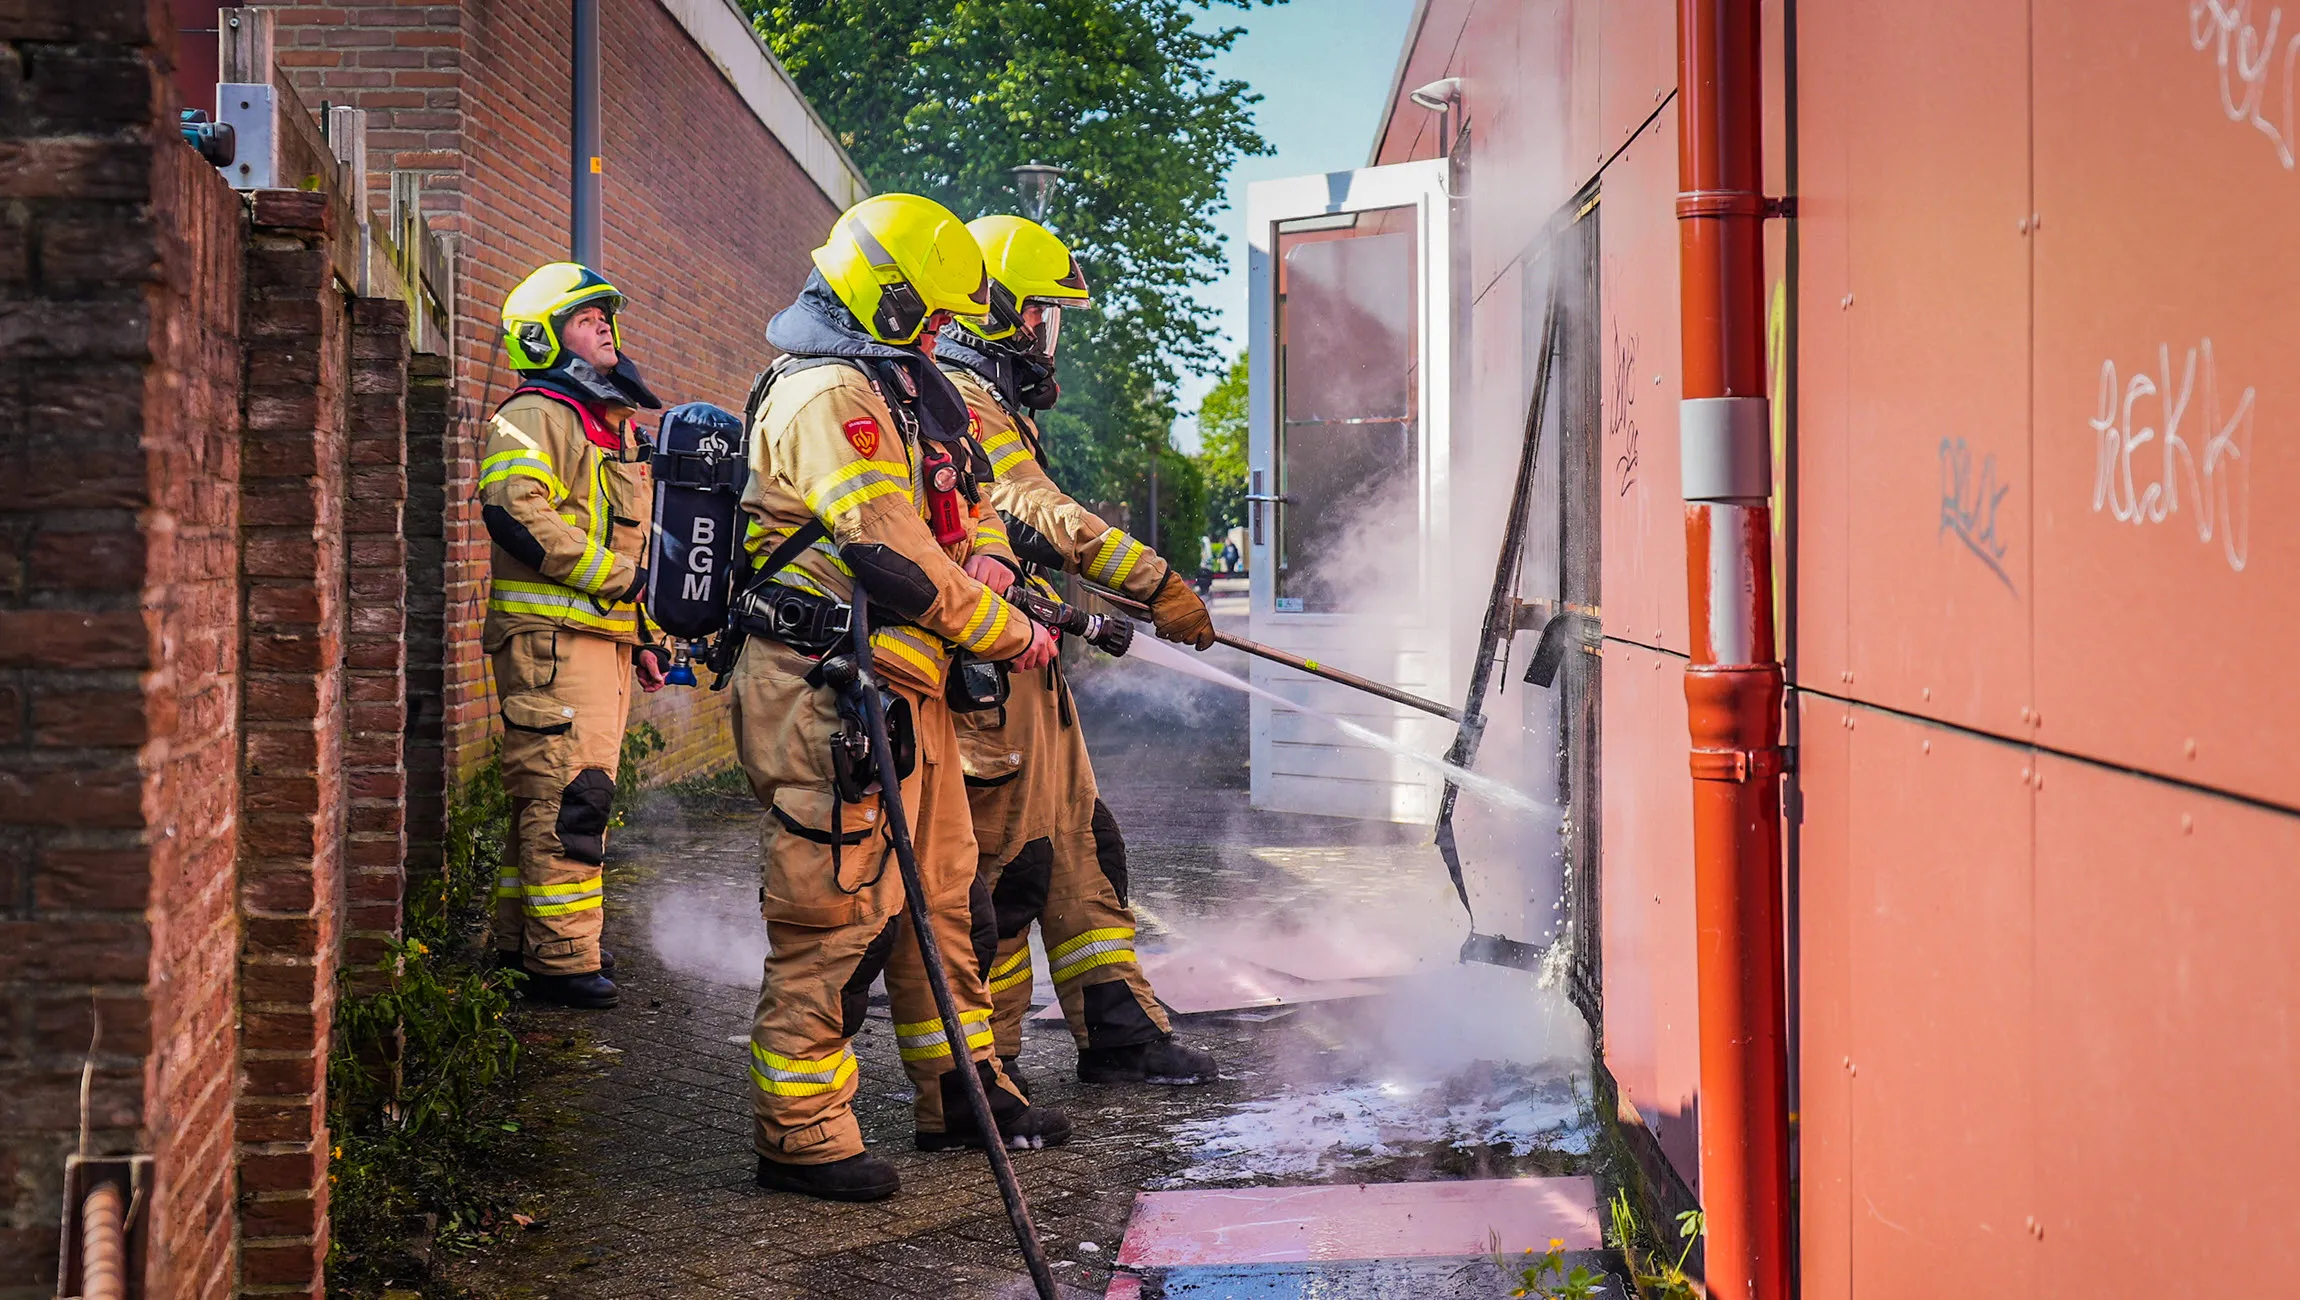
1733,684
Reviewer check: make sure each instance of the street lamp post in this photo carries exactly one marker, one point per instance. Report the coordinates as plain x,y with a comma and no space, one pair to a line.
1034,184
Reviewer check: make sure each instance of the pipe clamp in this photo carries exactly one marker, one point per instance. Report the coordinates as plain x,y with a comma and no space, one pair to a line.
1725,449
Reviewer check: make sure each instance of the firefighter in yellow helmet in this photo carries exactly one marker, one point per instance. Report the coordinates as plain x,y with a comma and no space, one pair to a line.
1047,846
861,473
564,495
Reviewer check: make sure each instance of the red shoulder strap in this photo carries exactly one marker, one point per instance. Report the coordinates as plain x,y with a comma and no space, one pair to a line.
594,428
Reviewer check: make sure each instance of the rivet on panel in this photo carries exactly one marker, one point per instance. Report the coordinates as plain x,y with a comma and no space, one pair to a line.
2024,225
1925,693
2030,1224
2187,824
2040,779
1848,1062
2036,221
2191,747
2024,776
2024,714
1845,302
1657,381
1928,747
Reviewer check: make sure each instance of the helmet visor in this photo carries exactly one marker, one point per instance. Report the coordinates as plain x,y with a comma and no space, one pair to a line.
1049,328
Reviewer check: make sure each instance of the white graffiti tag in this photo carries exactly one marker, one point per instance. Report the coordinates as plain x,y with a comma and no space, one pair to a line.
2219,485
2247,59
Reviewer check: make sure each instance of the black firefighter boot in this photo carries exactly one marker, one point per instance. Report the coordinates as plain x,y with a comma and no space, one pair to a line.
589,991
1161,1060
861,1177
1141,1053
1021,1125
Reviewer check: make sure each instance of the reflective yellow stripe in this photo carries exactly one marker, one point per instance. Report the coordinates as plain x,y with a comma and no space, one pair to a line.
1014,970
1006,449
855,483
507,886
551,600
925,1039
520,464
988,609
593,570
913,649
1093,948
788,1076
991,529
560,899
1115,558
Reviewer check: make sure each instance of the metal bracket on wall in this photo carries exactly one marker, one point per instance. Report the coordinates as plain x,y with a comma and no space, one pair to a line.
250,109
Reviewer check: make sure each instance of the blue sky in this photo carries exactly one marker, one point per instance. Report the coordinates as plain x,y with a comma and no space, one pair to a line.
1323,70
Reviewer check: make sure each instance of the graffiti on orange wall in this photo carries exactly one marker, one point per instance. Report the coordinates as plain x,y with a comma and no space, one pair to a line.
2255,75
1621,421
2140,485
1970,495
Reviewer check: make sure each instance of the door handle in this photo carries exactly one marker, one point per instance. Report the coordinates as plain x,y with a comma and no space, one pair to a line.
1264,496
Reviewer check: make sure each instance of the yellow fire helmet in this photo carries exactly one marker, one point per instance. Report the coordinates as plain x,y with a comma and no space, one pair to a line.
1028,264
896,259
538,309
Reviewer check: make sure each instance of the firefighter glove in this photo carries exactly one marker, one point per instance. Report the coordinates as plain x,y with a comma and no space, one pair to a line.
1179,614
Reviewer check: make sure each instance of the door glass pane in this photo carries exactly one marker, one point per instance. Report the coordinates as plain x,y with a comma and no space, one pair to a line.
1348,417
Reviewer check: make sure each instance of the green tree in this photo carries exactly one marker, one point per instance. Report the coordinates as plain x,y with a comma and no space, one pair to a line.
942,97
1222,450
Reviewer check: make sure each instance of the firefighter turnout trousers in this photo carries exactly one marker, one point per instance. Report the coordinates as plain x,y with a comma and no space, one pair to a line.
565,696
832,896
1049,852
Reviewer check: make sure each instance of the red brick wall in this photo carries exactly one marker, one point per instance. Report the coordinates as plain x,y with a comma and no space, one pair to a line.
375,741
297,340
118,641
708,225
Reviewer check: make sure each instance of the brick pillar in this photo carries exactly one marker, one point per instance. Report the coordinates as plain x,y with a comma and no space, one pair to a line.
428,429
119,394
293,473
375,739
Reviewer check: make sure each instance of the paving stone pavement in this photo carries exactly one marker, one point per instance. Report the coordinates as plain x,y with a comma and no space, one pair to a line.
649,1191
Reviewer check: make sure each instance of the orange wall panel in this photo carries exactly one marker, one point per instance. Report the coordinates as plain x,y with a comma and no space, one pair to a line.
1827,84
2167,401
1644,502
2165,1051
1824,1009
1936,200
1651,1044
1939,969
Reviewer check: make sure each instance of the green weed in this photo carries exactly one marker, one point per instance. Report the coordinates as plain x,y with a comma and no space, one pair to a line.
642,742
1545,1277
420,1070
1656,1277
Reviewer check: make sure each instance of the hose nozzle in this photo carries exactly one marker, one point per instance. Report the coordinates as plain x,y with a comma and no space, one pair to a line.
1112,636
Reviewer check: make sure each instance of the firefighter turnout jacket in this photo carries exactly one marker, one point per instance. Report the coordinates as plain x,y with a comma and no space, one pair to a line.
827,446
565,498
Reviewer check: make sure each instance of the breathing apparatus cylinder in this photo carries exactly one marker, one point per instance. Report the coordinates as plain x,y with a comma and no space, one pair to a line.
700,466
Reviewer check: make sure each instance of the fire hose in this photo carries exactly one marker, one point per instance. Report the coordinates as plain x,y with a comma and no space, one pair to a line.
864,685
1310,666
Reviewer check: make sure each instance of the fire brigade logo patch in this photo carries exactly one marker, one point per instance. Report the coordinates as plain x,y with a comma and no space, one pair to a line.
973,424
862,433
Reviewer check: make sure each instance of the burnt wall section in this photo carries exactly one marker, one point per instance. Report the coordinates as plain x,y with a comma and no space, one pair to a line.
120,277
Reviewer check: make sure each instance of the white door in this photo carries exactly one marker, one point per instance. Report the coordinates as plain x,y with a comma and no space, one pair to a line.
1350,373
